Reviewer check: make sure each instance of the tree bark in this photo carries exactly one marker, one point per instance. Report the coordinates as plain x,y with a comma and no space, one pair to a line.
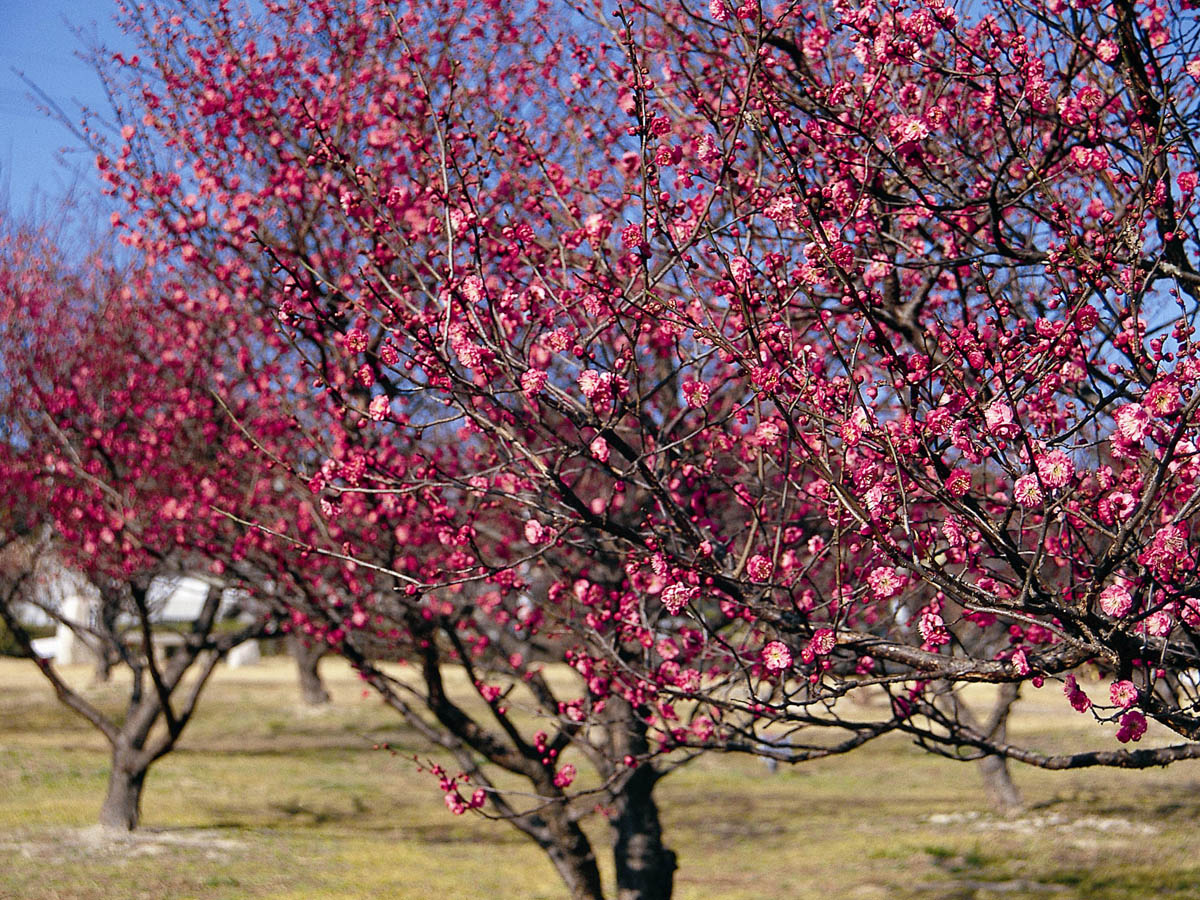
308,658
122,807
998,784
576,864
104,663
997,779
645,868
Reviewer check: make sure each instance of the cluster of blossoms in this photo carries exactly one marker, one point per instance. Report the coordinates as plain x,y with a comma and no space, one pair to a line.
451,787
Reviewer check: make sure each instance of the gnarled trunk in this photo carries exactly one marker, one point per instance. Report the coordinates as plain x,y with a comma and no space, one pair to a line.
122,807
308,658
1001,791
997,779
997,782
645,868
576,865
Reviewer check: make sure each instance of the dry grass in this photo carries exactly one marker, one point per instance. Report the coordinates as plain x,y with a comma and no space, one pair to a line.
268,799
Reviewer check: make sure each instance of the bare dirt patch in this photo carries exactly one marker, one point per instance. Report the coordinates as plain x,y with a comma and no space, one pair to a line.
98,843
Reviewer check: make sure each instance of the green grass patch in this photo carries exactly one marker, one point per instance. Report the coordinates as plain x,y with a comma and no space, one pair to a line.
267,799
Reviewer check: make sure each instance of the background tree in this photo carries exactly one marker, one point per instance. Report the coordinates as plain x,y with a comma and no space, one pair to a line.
116,457
308,659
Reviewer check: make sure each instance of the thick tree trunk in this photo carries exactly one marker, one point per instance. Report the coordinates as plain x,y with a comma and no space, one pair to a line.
997,779
645,868
997,782
308,658
122,807
576,865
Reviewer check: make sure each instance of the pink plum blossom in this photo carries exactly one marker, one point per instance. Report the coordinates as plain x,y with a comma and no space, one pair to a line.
1116,601
676,596
759,568
933,628
1133,726
696,393
1055,468
776,656
1123,693
1027,492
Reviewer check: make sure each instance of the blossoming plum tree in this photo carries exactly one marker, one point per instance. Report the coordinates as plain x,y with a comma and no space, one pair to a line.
750,356
116,445
456,606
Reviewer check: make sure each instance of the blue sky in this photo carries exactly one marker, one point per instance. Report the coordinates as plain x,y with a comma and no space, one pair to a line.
36,38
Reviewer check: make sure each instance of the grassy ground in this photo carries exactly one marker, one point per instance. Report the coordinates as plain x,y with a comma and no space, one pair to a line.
268,799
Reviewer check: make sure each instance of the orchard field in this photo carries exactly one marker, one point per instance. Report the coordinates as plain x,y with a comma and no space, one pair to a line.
267,798
654,379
